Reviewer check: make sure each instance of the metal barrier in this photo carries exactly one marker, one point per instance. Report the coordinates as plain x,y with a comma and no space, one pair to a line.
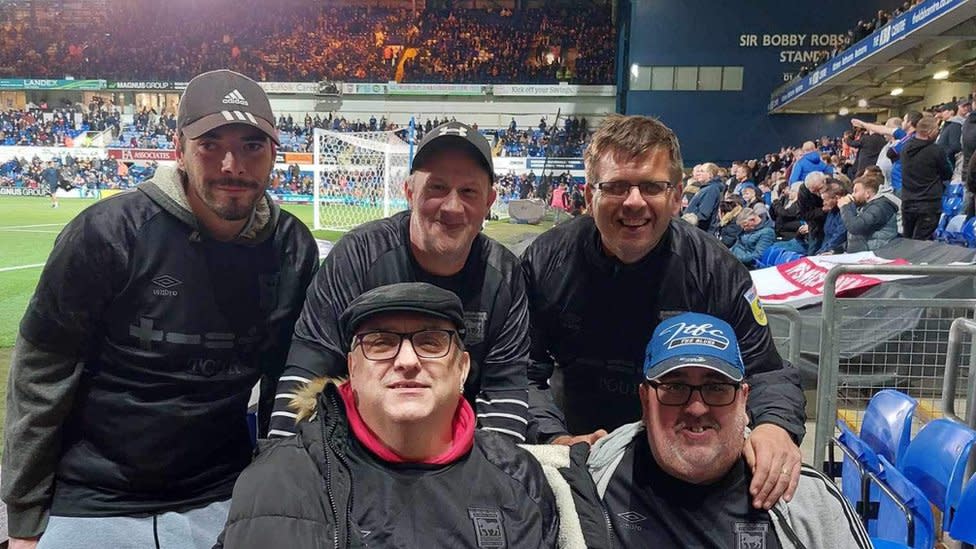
788,345
888,343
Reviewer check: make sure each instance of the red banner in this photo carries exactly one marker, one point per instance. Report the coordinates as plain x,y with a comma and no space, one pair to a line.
143,155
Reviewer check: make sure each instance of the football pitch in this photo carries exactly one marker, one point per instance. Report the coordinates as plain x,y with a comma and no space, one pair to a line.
28,227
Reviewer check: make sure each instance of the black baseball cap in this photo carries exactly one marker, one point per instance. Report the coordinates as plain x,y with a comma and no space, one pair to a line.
222,97
946,107
403,297
454,134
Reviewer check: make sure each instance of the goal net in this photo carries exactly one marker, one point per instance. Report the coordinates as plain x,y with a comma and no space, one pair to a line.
358,177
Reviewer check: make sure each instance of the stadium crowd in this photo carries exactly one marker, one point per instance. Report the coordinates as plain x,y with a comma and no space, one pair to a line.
70,172
849,194
304,41
863,29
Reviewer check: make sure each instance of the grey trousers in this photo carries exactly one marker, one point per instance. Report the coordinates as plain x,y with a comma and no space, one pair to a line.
194,529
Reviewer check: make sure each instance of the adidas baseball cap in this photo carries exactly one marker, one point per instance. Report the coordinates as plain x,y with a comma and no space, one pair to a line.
454,135
693,339
222,97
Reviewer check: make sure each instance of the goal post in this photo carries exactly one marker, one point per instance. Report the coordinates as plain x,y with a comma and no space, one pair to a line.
357,177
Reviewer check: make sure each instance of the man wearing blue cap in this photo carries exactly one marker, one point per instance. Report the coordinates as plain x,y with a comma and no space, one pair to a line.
677,478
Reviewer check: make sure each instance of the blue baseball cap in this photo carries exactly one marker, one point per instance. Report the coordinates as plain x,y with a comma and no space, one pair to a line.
693,339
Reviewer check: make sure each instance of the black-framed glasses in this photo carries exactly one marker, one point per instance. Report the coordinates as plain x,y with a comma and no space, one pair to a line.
678,394
648,189
385,345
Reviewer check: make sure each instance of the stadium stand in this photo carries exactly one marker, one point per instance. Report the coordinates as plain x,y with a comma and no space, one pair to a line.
304,41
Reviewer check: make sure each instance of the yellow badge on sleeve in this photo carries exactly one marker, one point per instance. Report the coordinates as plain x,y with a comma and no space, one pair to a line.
752,296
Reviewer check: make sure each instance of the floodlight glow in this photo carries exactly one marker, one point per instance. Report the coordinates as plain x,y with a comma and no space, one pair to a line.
634,70
941,75
844,111
863,103
897,91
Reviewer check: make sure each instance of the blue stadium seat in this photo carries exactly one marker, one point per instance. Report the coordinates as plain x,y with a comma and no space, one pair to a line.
858,458
768,257
893,525
969,232
953,230
887,424
936,462
963,526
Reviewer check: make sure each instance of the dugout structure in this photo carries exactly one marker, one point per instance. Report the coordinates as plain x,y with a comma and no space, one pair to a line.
358,177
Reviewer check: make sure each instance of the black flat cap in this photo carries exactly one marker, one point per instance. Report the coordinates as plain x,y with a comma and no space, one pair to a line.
403,297
454,135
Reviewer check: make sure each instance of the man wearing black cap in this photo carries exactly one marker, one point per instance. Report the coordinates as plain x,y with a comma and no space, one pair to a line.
156,313
397,445
438,241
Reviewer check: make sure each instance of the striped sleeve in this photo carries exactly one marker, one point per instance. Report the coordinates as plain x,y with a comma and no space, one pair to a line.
828,515
505,412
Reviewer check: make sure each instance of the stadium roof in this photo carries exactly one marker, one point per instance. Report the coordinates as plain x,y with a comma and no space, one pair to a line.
938,35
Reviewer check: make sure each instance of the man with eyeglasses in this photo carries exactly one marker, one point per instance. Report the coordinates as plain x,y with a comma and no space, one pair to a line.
677,478
438,240
391,458
597,284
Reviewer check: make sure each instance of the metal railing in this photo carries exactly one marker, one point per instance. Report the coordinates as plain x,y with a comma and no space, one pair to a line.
788,345
889,343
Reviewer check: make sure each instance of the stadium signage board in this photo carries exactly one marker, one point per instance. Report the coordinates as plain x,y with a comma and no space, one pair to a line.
553,90
48,153
143,155
290,87
897,29
21,191
49,84
134,85
558,164
394,88
363,89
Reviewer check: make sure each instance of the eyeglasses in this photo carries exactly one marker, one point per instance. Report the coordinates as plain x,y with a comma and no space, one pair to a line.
385,345
678,394
620,189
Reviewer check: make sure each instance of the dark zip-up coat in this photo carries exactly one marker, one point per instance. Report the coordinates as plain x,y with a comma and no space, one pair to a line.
925,171
299,493
137,355
593,315
489,285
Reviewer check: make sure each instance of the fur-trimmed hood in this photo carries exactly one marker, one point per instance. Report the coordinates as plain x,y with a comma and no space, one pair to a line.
304,403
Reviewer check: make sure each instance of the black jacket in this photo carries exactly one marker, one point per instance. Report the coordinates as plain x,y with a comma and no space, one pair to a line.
786,218
868,149
925,171
968,139
489,285
950,138
593,315
298,493
137,356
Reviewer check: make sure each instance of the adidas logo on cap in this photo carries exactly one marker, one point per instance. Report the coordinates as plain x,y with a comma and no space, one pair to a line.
236,98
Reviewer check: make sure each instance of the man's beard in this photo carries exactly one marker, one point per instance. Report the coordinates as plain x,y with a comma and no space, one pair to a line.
231,209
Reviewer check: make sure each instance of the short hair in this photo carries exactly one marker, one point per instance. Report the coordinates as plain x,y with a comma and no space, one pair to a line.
745,214
893,122
711,168
808,146
834,189
913,118
927,126
629,137
813,177
870,182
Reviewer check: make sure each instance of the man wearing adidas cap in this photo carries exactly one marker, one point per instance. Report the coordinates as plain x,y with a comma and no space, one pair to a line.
677,478
156,313
438,241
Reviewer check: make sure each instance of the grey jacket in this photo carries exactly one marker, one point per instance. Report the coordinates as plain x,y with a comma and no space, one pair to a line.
875,225
813,519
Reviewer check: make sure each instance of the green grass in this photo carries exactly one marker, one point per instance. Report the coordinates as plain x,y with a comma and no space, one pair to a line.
28,226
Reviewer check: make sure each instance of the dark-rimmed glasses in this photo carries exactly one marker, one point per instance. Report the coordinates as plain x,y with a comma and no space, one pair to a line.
678,394
385,345
620,189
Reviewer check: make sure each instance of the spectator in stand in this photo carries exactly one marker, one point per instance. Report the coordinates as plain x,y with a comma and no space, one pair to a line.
868,145
871,216
727,230
901,135
926,169
809,163
968,149
703,208
785,211
810,209
950,135
834,232
757,235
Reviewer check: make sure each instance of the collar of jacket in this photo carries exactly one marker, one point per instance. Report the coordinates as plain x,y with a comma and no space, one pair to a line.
166,189
609,264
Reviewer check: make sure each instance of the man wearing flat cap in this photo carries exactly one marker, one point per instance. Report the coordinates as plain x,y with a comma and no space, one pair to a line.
677,477
391,457
156,313
438,241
